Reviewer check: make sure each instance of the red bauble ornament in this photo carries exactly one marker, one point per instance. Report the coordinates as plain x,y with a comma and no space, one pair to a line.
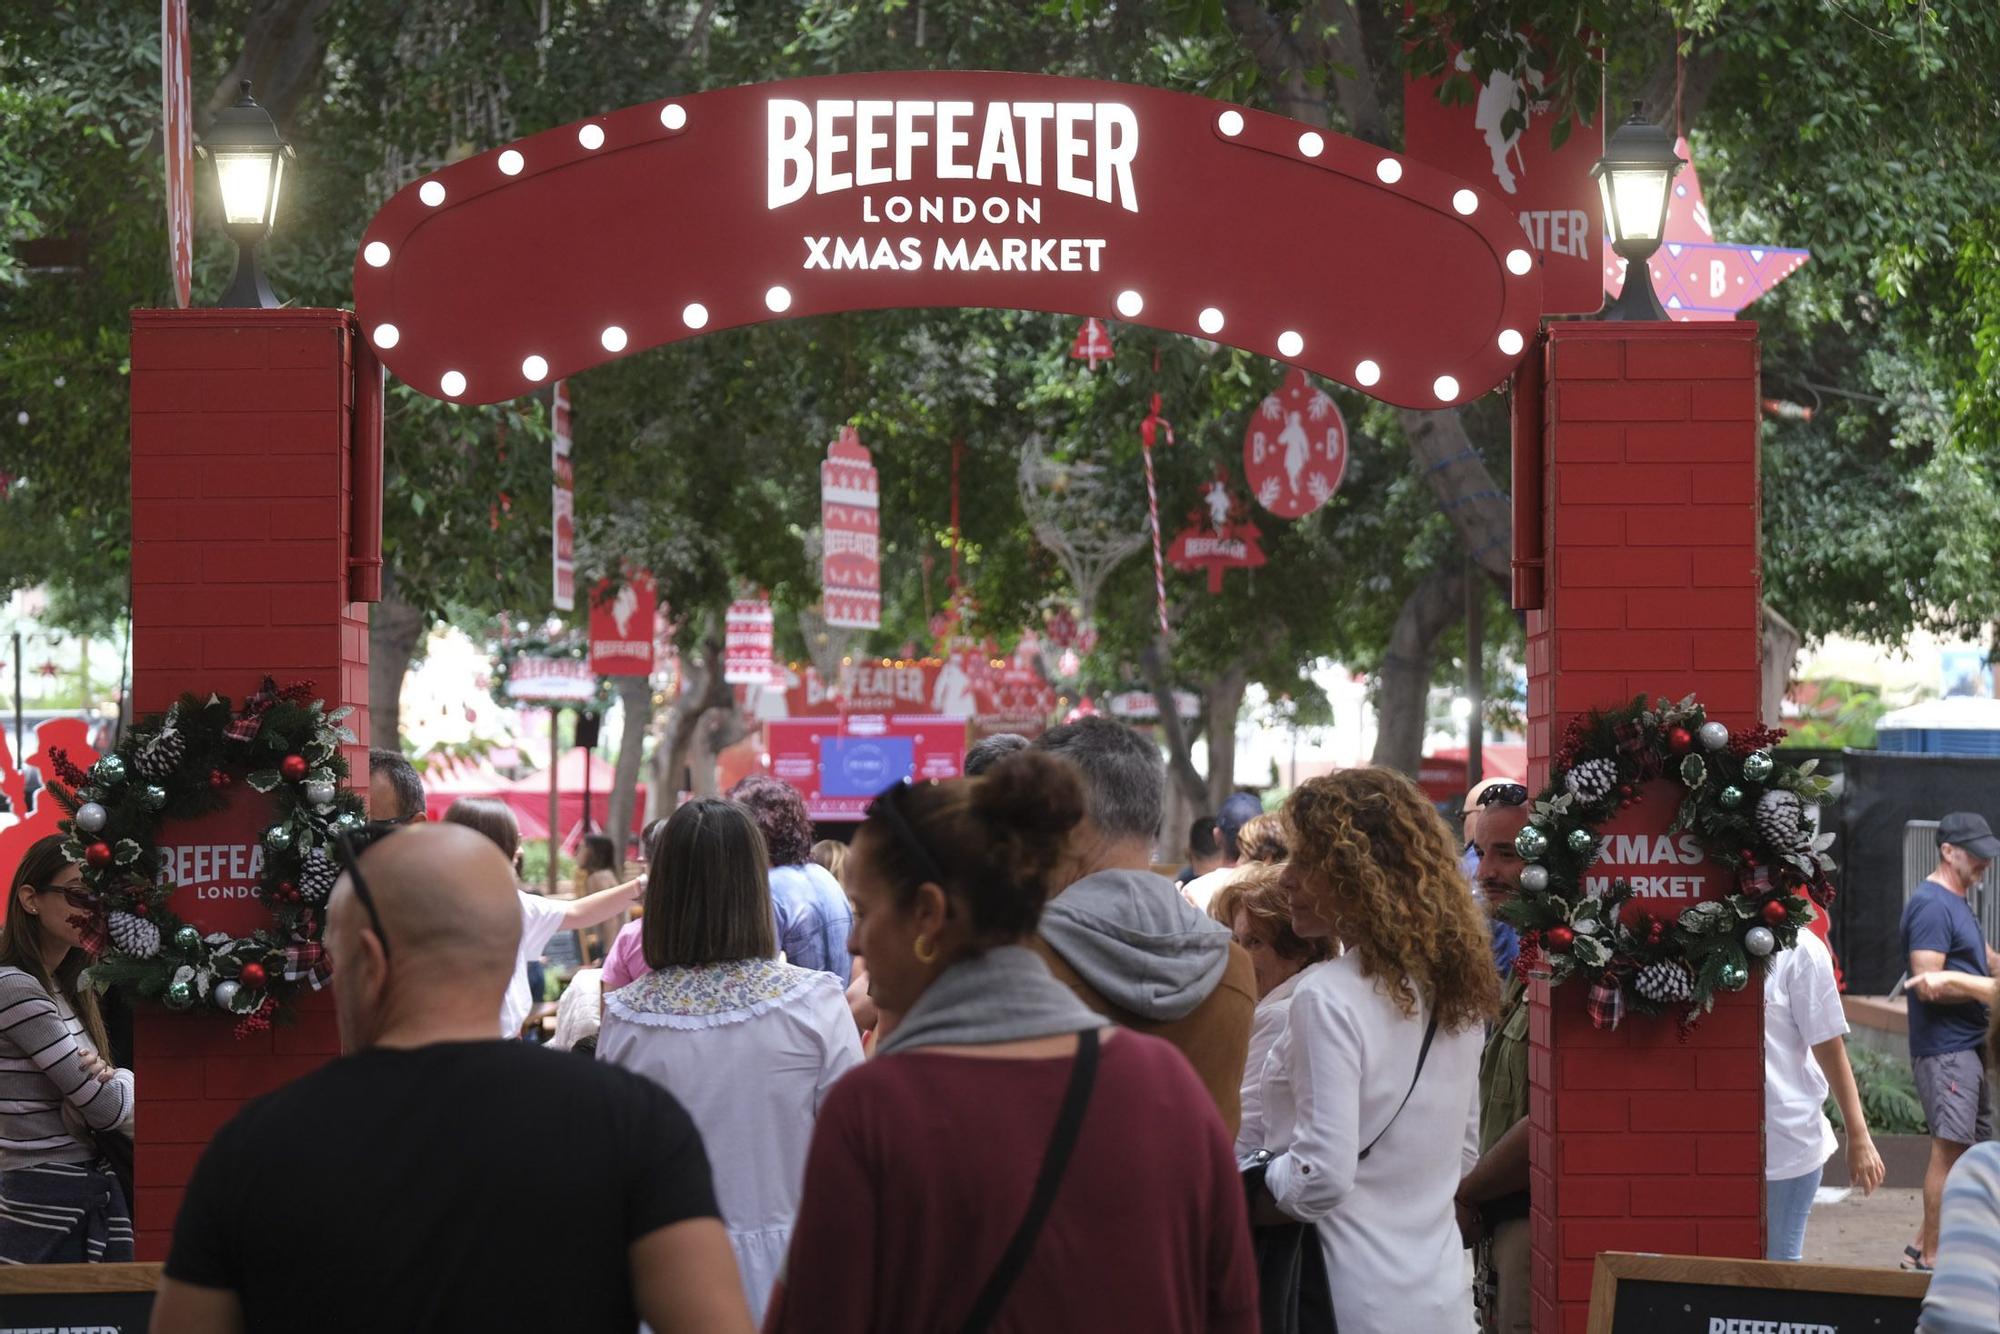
1775,913
293,767
218,779
252,975
98,855
1679,740
139,908
1560,937
1656,930
287,891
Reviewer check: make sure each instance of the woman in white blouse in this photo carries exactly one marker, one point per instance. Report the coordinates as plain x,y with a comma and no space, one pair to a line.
1257,909
1376,1075
749,1045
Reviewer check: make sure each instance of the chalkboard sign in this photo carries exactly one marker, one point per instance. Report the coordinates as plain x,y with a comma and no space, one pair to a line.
1684,1294
564,951
104,1299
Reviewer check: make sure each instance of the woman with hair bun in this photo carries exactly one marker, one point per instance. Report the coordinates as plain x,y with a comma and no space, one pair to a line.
1008,1162
1377,1071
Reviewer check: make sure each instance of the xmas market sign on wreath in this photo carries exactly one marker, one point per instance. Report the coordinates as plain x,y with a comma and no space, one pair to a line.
1668,856
205,841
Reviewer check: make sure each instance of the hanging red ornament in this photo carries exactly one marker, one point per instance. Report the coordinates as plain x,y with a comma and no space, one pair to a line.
1679,740
293,767
98,855
1219,535
1774,912
1092,344
252,976
1295,448
1560,937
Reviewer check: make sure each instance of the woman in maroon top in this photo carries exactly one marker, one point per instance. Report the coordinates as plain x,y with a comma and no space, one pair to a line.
925,1161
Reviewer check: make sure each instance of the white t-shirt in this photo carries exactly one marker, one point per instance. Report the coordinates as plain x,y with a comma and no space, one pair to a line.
540,919
1801,1010
1203,888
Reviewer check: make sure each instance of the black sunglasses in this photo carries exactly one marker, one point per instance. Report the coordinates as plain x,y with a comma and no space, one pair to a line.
347,848
1504,794
887,809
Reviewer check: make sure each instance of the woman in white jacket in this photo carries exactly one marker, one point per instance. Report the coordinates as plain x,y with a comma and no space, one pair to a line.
1375,1078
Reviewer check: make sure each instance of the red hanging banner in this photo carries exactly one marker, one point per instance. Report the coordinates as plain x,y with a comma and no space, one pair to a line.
1219,535
850,523
564,503
748,640
1295,448
177,103
621,627
1092,344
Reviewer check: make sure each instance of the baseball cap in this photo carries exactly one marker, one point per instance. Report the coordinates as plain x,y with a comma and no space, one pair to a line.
1239,810
1963,829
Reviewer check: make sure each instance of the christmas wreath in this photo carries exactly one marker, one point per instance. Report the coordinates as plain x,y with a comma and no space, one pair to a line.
1749,813
179,766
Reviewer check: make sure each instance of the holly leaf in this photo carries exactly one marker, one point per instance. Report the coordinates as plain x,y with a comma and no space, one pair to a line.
317,752
1806,769
126,852
1693,771
264,780
347,735
343,712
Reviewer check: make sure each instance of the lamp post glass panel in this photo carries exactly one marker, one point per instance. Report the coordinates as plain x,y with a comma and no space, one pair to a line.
249,156
1634,174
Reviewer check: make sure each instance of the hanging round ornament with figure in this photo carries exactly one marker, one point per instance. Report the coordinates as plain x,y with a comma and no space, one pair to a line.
1295,448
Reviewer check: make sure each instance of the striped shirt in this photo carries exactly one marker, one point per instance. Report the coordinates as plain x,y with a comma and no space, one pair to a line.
42,1044
1964,1296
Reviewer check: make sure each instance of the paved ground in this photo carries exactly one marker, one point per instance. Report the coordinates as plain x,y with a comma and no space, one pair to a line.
1868,1232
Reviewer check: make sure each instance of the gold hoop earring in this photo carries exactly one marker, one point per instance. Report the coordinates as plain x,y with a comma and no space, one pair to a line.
924,950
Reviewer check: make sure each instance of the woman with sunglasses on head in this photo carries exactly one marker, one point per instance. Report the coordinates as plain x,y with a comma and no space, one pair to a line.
1007,1161
60,1202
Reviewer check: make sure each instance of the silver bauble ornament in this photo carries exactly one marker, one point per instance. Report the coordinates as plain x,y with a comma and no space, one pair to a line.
223,993
277,838
1534,879
154,797
109,770
1757,766
1531,842
187,940
320,791
1714,735
179,996
90,817
1731,797
1735,976
1581,841
1759,941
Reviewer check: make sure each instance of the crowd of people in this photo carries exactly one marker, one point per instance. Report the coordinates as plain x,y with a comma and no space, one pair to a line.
981,1067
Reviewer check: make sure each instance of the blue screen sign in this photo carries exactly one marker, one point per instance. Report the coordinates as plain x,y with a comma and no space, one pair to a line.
863,766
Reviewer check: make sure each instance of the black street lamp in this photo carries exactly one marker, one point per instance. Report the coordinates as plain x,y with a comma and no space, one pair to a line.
1635,176
249,156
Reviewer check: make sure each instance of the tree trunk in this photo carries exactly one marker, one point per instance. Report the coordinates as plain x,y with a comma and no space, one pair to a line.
702,688
1780,646
1403,685
1180,754
395,628
636,694
1225,700
282,55
718,729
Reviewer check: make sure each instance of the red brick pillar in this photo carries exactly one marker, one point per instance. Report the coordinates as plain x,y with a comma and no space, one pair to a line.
243,435
1642,1141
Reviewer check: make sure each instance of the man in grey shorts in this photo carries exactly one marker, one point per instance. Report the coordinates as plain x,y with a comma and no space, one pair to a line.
1950,988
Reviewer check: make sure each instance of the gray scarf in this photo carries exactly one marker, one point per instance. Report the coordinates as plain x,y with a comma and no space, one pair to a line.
1003,995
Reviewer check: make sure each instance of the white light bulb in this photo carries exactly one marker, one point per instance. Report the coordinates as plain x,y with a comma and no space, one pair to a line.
1290,344
1511,341
778,300
694,315
1367,373
376,253
535,369
1388,171
1230,123
1311,144
1465,201
673,115
431,192
386,335
613,339
1519,262
1130,304
511,163
1210,320
1445,388
452,383
591,136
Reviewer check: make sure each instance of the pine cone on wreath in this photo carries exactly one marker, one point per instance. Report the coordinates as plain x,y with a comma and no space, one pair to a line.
161,755
317,877
1593,780
1665,983
134,935
1781,819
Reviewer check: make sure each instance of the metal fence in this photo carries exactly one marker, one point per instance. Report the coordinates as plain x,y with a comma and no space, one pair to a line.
1920,858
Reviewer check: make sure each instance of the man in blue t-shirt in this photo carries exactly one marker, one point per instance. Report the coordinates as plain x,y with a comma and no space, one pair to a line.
1950,990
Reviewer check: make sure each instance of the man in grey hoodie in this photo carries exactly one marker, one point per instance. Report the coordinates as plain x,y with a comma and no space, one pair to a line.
1122,938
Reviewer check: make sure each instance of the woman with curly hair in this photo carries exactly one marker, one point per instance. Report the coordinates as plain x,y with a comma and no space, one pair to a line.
1378,1067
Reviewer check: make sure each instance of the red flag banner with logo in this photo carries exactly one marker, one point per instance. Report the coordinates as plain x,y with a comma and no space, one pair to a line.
177,101
564,508
1295,448
850,521
621,626
1092,344
748,642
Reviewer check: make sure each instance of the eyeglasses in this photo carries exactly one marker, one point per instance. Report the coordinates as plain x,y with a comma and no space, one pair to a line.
1504,794
347,852
887,808
75,898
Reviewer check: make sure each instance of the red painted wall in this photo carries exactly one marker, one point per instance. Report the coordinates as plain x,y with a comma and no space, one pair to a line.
241,505
1641,1141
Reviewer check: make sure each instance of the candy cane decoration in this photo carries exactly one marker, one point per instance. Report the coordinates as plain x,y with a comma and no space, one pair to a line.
1147,429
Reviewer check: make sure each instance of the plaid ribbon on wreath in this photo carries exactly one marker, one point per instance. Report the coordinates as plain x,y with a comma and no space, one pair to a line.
245,728
305,962
1606,1005
1631,738
1754,881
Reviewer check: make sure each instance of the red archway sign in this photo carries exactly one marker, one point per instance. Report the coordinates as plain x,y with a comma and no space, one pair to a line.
496,274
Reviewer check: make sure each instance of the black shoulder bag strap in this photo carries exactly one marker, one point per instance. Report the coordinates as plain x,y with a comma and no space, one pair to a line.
1424,1051
1069,1121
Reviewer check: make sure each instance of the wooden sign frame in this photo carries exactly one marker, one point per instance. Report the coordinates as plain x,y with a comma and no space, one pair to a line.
24,1280
1612,1266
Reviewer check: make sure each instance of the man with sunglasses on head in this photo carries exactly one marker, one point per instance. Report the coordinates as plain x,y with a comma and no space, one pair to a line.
1493,1196
395,790
427,1144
